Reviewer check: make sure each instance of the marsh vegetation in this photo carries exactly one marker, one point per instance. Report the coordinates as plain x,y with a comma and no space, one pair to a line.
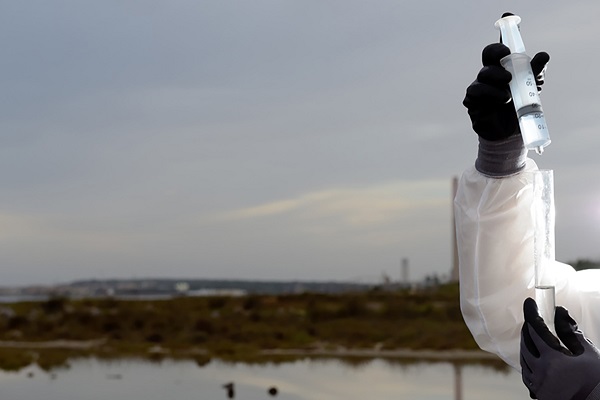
234,327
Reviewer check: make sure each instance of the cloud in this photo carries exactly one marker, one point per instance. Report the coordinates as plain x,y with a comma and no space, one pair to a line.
392,204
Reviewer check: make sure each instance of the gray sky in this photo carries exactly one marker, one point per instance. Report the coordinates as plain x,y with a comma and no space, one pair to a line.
310,140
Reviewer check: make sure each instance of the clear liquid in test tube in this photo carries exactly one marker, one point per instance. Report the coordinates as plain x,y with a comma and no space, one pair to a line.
544,246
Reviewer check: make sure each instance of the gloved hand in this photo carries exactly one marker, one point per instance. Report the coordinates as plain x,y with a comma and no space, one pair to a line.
551,371
493,116
488,99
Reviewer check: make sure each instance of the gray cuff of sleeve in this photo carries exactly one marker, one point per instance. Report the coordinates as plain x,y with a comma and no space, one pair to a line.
501,157
595,394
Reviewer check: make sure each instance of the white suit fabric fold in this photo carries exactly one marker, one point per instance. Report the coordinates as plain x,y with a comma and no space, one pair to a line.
494,228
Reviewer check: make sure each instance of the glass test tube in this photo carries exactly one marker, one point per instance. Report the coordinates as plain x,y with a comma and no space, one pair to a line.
544,253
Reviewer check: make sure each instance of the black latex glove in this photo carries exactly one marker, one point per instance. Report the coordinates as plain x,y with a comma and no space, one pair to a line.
488,99
551,371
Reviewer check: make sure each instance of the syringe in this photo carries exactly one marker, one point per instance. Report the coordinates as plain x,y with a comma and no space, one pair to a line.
523,87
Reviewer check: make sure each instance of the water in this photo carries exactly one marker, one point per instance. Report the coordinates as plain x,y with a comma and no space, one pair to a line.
325,379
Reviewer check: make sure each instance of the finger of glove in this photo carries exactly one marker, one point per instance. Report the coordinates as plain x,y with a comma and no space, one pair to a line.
479,95
530,363
494,76
527,377
528,347
568,332
530,356
541,332
493,53
548,355
538,67
526,370
539,62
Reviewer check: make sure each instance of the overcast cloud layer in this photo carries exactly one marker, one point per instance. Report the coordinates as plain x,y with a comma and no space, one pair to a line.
310,140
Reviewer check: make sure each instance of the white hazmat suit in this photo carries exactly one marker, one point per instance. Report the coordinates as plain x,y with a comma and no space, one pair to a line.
494,230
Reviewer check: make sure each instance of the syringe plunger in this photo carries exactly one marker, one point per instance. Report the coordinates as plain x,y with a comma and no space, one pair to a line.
511,36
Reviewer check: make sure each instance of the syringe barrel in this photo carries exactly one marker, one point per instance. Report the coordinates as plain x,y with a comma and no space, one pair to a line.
526,99
522,85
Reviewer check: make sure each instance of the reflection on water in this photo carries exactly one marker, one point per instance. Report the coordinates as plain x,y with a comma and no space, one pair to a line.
307,379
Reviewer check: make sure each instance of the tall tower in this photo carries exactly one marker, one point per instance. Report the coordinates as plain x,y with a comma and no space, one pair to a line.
405,271
454,272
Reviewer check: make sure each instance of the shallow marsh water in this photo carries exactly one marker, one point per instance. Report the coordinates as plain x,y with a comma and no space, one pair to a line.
307,379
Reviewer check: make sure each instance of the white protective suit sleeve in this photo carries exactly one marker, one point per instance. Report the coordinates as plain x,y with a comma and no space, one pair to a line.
495,245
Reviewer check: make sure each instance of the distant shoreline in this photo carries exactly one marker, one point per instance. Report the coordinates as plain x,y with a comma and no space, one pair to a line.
440,355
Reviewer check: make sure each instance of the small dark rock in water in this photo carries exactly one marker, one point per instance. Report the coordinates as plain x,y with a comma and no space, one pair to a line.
30,374
230,390
273,391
